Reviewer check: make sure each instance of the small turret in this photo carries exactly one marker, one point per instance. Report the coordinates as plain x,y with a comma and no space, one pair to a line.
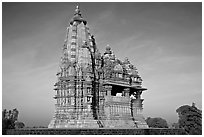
108,50
126,61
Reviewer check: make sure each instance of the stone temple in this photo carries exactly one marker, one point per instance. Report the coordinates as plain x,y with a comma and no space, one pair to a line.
95,90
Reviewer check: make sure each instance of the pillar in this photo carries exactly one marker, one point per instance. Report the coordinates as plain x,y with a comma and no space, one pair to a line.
137,103
127,92
108,89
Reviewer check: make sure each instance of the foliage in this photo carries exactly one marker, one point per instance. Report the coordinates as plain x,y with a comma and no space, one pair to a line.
7,124
175,125
19,125
190,119
156,122
9,120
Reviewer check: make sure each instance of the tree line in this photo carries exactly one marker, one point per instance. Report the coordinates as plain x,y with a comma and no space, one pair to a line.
190,120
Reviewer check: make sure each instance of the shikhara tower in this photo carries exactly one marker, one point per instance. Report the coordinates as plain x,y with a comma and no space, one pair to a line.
94,90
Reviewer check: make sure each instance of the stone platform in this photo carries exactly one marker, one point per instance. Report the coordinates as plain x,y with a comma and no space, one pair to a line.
46,131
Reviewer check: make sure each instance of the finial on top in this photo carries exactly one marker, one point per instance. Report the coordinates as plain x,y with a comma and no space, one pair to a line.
108,48
77,11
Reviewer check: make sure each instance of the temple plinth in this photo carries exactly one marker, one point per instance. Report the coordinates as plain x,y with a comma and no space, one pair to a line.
95,90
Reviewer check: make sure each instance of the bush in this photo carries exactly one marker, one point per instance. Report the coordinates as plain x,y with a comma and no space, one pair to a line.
19,125
156,122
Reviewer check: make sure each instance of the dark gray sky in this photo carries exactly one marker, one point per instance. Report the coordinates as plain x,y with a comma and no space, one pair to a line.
163,40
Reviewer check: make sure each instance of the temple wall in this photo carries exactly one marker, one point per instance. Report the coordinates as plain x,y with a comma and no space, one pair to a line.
117,112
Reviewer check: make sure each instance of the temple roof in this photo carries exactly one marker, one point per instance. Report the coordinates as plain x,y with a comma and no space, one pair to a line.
77,17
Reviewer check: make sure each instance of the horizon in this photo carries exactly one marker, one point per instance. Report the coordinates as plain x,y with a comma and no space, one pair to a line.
163,41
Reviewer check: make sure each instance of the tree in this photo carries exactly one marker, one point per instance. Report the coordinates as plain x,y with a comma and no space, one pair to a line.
9,119
190,119
156,122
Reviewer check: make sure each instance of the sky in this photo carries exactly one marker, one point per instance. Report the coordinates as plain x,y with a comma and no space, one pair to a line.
163,41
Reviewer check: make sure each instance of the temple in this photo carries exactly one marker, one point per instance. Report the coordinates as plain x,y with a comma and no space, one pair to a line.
95,90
